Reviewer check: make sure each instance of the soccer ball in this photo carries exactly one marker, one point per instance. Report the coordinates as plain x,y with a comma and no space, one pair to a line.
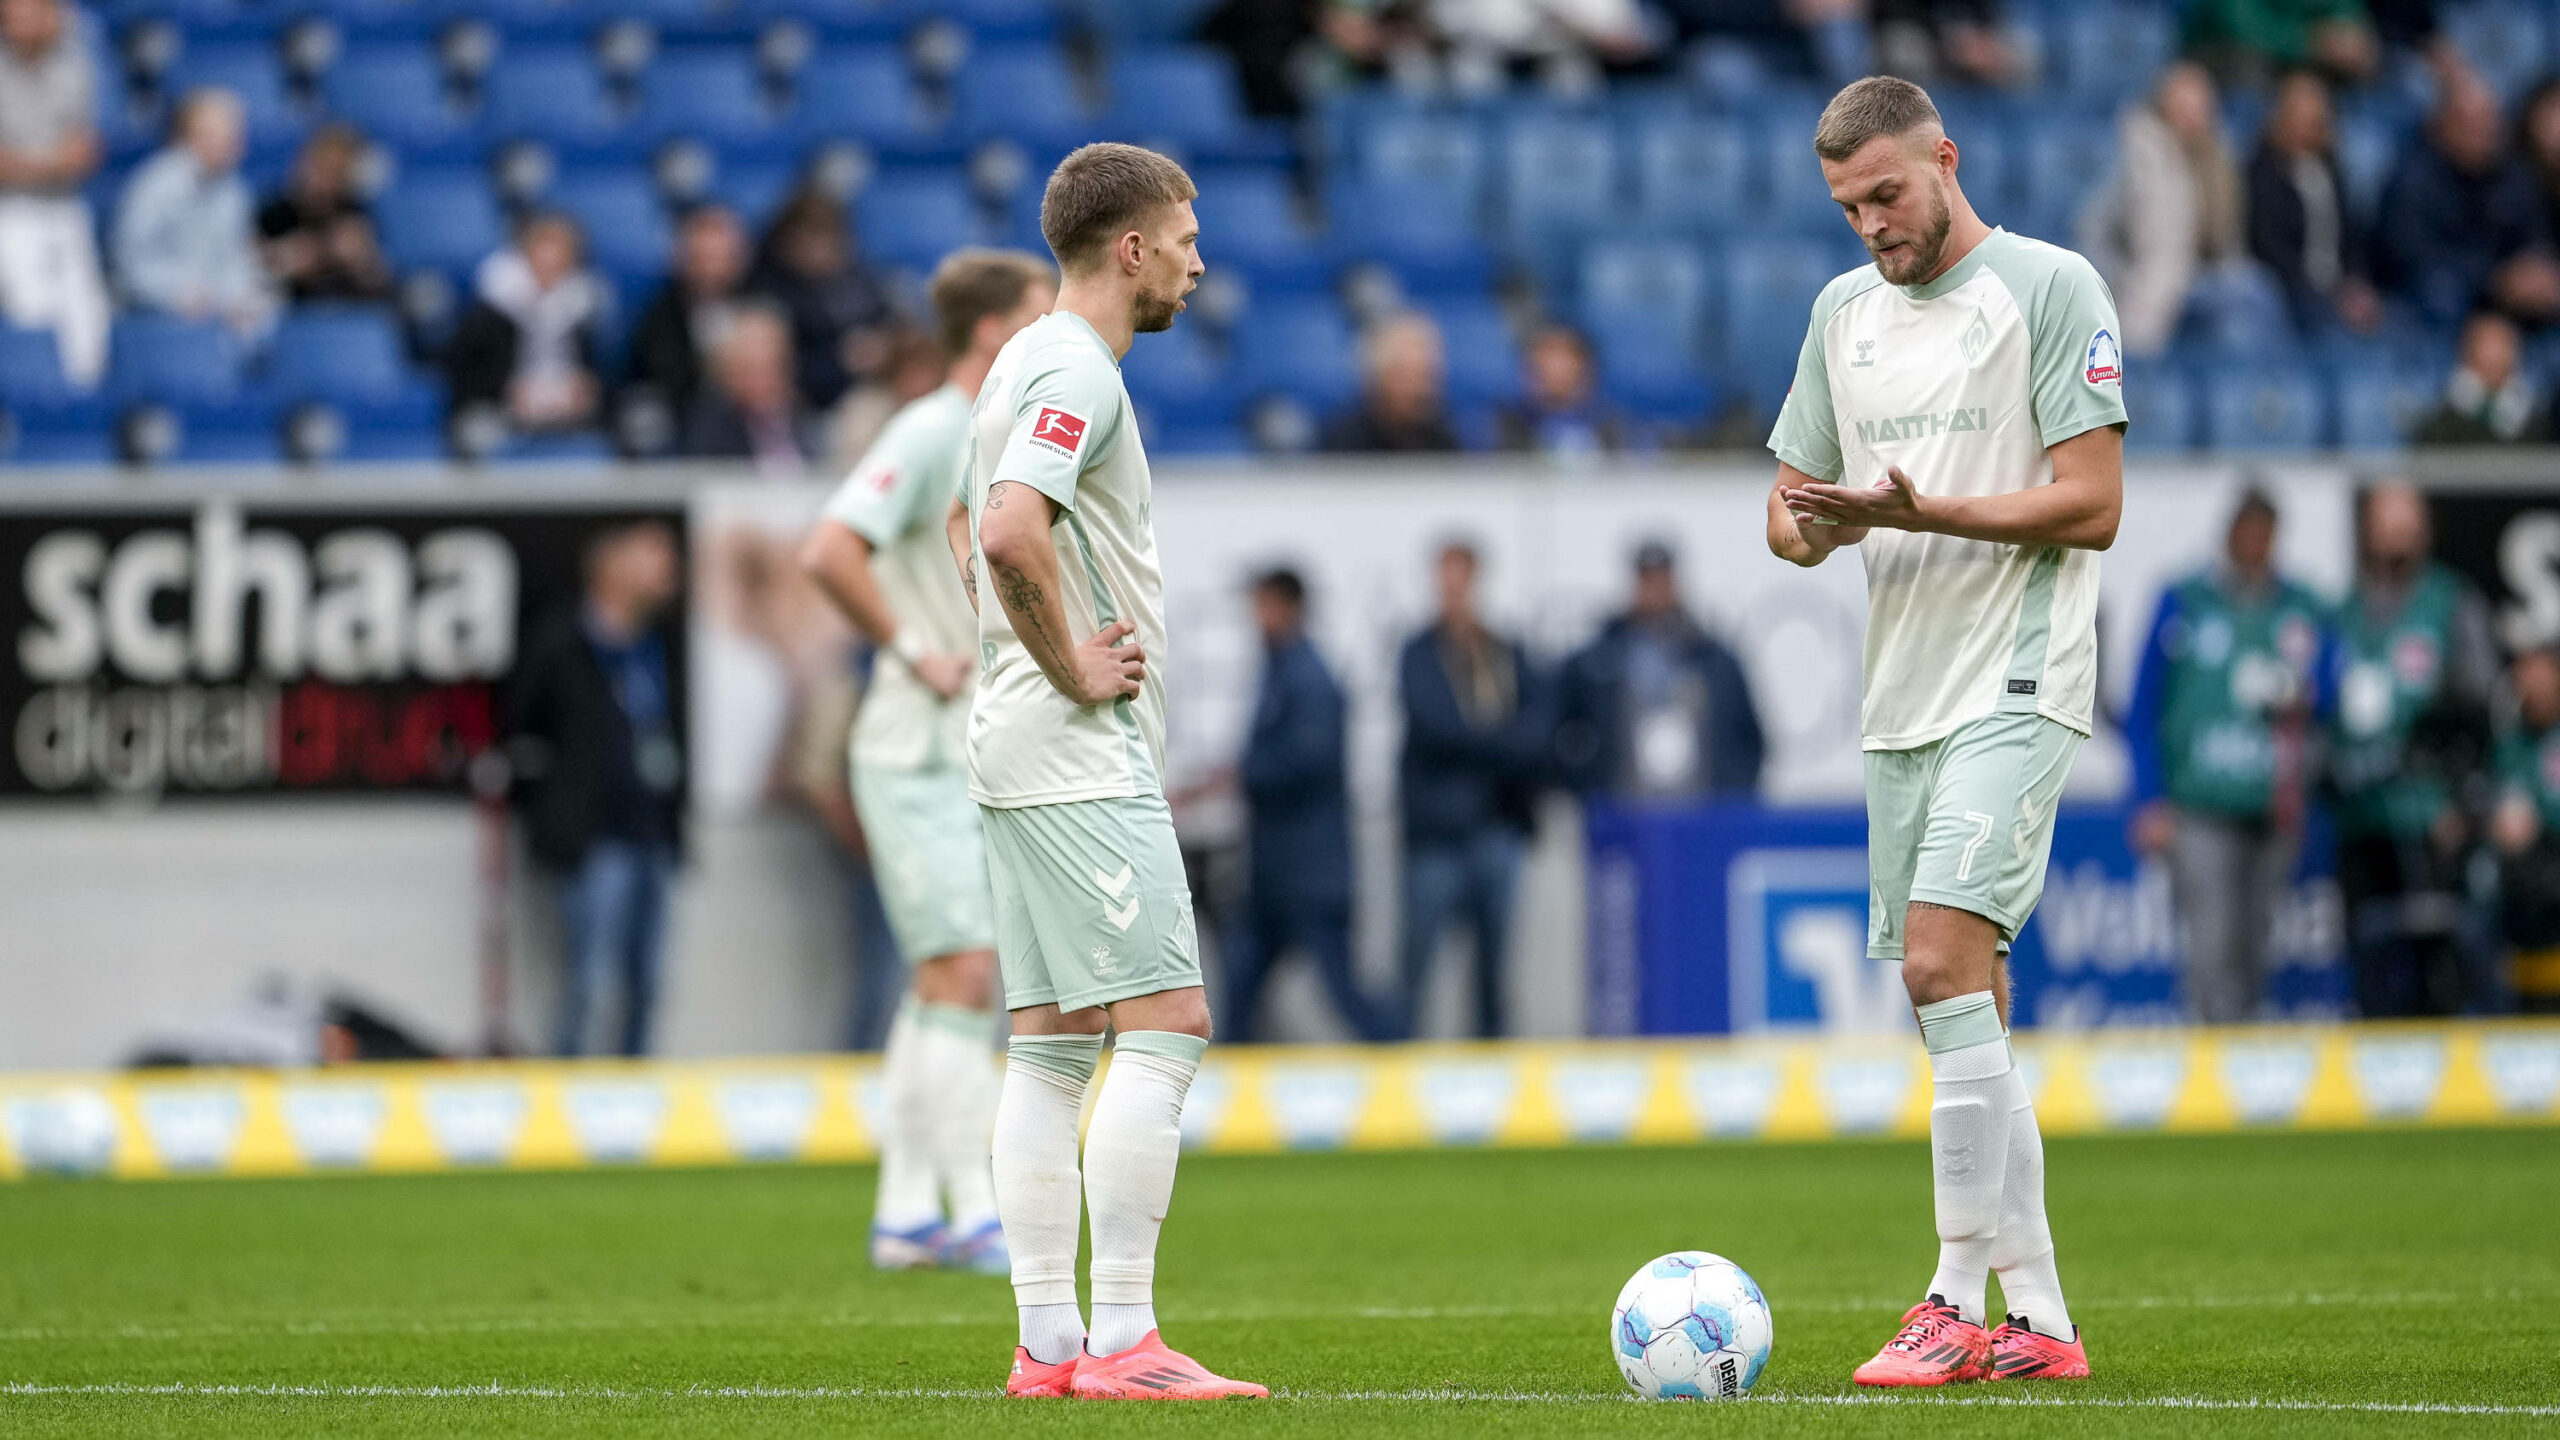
1690,1326
69,1132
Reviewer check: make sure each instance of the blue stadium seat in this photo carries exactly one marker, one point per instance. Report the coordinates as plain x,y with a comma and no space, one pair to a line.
1771,284
1427,150
1663,287
549,92
1180,95
195,365
393,90
998,19
1249,219
1484,360
1693,173
1426,236
912,218
628,230
755,190
1022,91
384,19
1305,350
252,70
2264,407
2105,50
353,357
2160,403
1799,200
2236,312
1179,378
2379,407
2369,146
864,21
863,94
712,93
539,19
441,219
1146,19
2064,162
1559,183
33,389
1656,381
2505,40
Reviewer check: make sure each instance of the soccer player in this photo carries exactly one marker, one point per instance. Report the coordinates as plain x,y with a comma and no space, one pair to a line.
1958,414
1066,757
882,554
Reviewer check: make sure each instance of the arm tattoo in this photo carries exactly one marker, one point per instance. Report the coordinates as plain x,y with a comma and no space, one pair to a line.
995,494
1022,596
969,579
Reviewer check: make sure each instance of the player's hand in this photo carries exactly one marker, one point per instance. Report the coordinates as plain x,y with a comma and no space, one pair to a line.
1893,503
1110,666
944,675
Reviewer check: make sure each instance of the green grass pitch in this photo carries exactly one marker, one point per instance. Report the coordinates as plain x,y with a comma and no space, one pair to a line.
2371,1284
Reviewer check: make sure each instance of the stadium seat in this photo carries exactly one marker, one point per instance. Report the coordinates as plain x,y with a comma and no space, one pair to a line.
443,219
2160,403
863,94
1181,96
996,19
1798,198
1249,219
2106,50
2368,147
1559,183
1145,19
252,70
1022,91
1437,152
628,230
549,92
33,390
539,19
2506,41
912,218
2380,406
2063,163
1657,382
710,93
1659,286
353,357
1693,173
2263,407
1484,359
1771,284
383,19
394,91
1180,378
863,21
1304,350
755,190
196,365
2236,312
1426,236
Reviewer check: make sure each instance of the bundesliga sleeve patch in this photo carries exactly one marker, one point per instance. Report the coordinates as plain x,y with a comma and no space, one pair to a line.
880,477
1060,431
2106,361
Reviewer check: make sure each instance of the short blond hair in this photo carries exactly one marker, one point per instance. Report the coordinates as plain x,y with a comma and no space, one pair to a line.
1865,109
970,285
1097,194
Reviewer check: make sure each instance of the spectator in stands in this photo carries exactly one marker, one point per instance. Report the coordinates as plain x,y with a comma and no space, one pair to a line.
1298,822
1279,50
2300,225
2488,400
2538,141
600,773
49,278
317,234
2246,41
1657,707
2527,828
1965,40
840,315
750,410
1403,400
685,323
529,347
2171,211
1477,732
2461,223
1565,41
1561,410
2221,708
914,369
2409,757
186,232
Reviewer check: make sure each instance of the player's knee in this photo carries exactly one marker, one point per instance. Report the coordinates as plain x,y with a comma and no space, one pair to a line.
964,978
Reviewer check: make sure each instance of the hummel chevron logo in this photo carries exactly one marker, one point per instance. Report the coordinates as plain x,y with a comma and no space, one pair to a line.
1112,885
1121,916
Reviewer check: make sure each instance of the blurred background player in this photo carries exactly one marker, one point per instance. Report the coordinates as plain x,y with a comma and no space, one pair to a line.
883,554
2221,707
1984,367
1094,923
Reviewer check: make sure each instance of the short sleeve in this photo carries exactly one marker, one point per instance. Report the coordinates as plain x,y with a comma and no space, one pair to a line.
2077,351
1808,434
1063,425
878,498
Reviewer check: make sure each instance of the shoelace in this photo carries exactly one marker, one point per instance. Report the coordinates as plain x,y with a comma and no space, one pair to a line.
1919,1331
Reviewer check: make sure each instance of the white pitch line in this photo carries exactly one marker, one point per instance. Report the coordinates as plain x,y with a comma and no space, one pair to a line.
494,1391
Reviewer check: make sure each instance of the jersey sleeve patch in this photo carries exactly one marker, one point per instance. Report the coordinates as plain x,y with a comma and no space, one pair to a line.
1058,430
879,477
2104,364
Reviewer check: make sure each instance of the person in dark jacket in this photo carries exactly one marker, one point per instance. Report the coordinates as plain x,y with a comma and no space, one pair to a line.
2488,399
2302,226
1298,821
840,317
531,345
600,773
1477,730
1403,406
317,235
677,335
1655,707
750,411
2462,223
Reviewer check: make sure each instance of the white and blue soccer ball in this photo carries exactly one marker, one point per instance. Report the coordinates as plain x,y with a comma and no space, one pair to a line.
1690,1326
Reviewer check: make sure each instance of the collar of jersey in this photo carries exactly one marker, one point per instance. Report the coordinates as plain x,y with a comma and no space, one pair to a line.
1094,335
1957,273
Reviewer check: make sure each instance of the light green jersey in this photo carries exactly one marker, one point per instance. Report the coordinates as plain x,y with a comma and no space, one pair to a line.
1053,415
1964,382
898,498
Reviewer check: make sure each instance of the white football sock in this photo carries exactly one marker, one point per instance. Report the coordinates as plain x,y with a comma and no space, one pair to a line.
1129,1161
951,1043
1968,1141
1038,1191
2022,1253
908,1198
